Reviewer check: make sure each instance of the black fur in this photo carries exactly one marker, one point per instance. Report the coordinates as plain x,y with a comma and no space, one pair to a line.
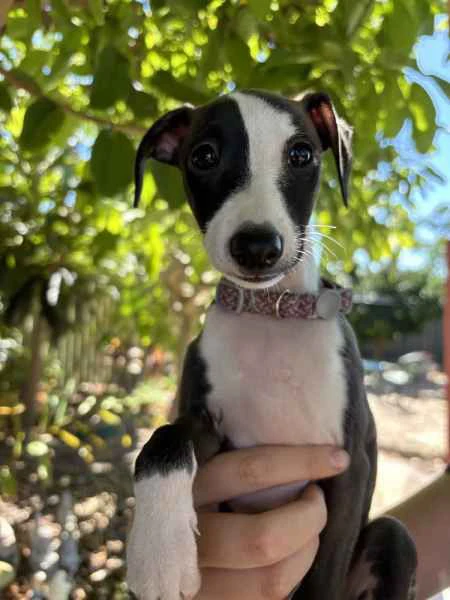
220,121
170,448
379,544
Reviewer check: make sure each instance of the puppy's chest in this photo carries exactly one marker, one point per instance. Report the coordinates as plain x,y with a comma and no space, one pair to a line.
275,381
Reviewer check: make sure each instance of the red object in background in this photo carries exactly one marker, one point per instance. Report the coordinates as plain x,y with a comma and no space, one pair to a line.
446,334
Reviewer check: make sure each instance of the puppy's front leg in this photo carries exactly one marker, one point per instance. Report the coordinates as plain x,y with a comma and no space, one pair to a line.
162,549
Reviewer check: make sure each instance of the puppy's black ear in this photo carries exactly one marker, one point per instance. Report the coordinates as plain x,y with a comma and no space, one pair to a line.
162,142
334,133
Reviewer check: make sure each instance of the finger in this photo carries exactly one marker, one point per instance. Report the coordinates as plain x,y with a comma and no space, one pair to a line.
238,472
237,541
271,583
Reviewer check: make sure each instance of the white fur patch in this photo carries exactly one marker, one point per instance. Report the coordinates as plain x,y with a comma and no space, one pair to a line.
260,201
276,381
161,549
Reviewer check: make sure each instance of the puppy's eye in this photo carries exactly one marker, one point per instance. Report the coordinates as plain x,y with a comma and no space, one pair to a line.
204,156
300,154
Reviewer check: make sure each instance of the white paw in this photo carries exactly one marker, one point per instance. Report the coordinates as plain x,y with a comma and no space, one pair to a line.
161,548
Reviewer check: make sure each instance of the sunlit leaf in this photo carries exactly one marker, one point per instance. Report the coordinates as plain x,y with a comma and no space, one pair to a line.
423,112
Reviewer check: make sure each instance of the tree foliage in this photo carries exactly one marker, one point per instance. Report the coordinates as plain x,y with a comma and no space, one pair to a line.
82,81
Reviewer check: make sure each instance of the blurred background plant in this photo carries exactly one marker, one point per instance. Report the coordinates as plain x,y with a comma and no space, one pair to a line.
97,297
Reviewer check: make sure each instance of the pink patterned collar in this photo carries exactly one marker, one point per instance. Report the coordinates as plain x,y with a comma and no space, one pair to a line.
326,304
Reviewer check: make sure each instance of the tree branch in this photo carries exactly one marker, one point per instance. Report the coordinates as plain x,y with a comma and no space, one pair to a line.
4,8
33,89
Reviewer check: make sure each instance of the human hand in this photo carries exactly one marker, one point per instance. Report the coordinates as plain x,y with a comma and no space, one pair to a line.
261,555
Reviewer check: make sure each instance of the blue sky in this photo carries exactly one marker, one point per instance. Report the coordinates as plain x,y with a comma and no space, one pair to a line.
432,59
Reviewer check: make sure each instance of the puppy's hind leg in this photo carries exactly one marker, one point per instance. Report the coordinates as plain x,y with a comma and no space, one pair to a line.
384,563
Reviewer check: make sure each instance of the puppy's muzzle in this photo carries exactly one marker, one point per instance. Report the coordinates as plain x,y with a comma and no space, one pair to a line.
256,249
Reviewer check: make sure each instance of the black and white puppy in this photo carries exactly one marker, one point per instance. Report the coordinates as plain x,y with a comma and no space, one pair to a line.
267,368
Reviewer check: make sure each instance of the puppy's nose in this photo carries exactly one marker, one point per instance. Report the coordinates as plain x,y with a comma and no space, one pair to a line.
256,248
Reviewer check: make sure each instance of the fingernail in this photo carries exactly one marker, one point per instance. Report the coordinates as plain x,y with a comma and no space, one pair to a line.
340,459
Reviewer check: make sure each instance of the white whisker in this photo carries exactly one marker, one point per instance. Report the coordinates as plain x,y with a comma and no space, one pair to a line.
318,225
321,244
328,237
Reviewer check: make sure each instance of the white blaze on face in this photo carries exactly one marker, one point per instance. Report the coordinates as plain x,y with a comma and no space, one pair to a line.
260,201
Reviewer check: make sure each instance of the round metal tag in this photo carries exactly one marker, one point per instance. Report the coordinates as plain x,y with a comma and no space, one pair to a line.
328,304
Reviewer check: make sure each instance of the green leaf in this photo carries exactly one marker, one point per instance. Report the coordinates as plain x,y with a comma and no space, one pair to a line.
260,8
399,29
33,8
444,86
246,24
424,115
176,89
238,54
169,183
43,120
96,10
34,60
142,104
211,52
280,57
112,162
186,9
357,15
18,25
111,79
61,13
394,103
5,98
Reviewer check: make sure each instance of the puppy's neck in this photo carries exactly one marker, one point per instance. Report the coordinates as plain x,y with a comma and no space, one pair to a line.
305,277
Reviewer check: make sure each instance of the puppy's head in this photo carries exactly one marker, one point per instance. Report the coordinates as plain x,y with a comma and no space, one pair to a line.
251,163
